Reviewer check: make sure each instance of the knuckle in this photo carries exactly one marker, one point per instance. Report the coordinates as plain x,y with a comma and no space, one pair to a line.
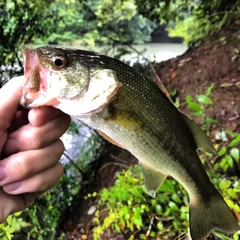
30,138
50,180
59,148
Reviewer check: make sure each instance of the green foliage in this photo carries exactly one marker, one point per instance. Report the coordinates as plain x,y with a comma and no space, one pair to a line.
123,9
230,190
202,102
228,156
21,21
190,19
128,206
74,128
93,22
191,29
13,224
236,236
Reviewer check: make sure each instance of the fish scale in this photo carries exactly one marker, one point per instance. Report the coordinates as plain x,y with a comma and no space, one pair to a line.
134,114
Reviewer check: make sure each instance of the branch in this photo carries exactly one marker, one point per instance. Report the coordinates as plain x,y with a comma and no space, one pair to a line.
74,164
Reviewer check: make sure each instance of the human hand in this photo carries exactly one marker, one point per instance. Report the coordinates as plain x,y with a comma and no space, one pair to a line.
30,149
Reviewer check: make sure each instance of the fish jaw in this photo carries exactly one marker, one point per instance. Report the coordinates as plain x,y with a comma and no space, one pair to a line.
34,92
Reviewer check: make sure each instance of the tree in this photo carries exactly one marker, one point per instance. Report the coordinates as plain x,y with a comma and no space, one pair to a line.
191,19
89,22
93,22
22,21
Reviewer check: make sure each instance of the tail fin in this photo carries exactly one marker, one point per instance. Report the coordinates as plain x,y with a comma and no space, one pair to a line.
205,217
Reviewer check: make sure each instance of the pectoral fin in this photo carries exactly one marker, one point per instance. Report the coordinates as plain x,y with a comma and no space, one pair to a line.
109,139
202,140
153,179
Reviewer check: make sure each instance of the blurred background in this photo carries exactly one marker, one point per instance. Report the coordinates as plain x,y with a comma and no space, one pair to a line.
191,49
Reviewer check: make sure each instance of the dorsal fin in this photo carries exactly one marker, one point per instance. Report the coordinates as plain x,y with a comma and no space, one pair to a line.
202,140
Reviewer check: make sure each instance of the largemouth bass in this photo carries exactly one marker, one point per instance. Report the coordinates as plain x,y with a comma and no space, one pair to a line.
132,112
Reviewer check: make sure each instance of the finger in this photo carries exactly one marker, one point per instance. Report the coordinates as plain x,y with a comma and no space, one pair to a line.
42,115
20,119
10,95
23,165
42,181
29,137
13,203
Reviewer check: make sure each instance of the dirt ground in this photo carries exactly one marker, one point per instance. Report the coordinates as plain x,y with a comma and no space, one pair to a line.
215,61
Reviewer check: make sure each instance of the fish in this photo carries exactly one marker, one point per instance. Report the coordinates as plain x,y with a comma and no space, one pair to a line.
132,112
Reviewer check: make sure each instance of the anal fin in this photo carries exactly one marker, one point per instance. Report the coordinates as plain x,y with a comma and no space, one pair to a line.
153,179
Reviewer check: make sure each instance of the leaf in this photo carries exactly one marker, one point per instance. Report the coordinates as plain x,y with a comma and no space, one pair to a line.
235,153
222,151
136,192
210,120
204,99
215,166
222,236
198,114
167,187
224,184
194,106
188,98
117,227
138,221
231,193
158,209
173,206
176,198
229,160
209,90
235,141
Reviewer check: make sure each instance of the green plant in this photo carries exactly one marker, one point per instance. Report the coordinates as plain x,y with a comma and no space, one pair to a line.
20,22
128,206
199,106
13,224
192,20
93,22
228,156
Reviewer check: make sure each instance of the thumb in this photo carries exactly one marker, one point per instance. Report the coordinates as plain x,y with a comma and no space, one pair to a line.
10,95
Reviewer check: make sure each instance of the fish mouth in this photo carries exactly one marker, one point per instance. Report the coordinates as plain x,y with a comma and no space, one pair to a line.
32,84
32,93
30,68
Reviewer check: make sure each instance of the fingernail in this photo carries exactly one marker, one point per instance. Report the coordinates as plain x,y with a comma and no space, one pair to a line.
3,174
12,186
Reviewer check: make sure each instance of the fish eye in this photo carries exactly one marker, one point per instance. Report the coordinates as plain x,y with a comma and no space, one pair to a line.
59,62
